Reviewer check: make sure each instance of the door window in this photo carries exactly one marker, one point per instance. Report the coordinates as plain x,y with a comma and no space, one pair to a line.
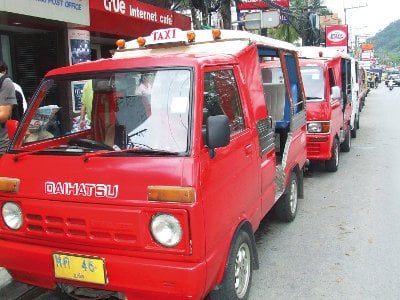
221,97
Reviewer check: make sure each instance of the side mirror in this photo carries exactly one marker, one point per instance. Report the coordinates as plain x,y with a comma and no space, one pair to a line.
217,132
335,92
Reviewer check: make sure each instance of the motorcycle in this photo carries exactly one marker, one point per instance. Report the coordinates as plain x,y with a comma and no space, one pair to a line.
390,84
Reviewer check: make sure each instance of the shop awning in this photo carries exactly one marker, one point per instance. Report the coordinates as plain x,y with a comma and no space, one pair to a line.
132,18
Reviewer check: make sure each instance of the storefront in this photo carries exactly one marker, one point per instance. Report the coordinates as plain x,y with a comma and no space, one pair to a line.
38,35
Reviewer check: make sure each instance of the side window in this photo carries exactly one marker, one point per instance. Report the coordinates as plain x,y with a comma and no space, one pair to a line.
293,74
221,97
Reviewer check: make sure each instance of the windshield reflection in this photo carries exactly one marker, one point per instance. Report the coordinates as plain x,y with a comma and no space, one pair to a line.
146,109
313,81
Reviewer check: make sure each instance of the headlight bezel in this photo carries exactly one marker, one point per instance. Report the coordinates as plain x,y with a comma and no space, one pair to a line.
319,127
166,221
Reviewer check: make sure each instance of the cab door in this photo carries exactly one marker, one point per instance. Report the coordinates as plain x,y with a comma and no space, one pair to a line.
231,179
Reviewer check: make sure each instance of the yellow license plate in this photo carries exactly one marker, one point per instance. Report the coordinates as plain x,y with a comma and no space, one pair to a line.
79,268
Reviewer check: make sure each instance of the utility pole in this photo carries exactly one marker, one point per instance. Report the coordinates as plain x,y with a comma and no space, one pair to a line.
345,17
353,7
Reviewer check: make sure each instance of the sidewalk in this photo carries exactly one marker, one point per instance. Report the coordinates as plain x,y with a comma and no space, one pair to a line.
13,290
5,278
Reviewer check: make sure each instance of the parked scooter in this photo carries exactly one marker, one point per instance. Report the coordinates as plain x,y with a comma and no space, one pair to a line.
390,84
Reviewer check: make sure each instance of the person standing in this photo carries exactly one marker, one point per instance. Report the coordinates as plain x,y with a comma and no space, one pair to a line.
86,105
19,109
144,88
7,100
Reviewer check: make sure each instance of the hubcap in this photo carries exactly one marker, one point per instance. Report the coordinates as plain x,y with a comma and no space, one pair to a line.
242,270
336,153
293,196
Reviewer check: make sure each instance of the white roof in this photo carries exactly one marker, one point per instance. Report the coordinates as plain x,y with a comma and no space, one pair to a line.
314,52
231,42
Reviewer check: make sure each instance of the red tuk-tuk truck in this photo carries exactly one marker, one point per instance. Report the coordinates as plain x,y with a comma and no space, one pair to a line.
160,196
327,79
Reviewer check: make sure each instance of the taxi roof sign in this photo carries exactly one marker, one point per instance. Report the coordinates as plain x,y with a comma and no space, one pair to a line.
166,36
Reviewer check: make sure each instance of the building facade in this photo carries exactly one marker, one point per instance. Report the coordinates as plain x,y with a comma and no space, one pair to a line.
39,35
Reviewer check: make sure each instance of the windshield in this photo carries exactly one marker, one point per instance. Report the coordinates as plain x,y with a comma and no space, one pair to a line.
313,80
114,110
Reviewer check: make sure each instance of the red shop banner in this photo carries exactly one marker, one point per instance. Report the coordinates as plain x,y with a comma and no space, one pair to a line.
259,4
132,18
336,36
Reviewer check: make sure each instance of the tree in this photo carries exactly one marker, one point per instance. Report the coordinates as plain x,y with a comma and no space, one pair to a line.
299,23
201,11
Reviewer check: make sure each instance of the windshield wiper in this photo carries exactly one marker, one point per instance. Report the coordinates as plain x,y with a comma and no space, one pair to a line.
136,150
50,149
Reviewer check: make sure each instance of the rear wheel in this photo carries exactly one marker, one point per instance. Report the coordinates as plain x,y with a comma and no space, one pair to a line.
332,164
238,272
286,207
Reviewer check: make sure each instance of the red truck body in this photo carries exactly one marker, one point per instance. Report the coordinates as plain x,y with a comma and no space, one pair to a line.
165,210
327,84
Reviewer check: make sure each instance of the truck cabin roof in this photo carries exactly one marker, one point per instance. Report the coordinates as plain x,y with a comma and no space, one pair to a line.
178,52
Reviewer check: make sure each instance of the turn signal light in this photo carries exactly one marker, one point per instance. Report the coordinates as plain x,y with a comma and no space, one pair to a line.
326,127
141,41
171,194
191,36
216,33
9,184
120,44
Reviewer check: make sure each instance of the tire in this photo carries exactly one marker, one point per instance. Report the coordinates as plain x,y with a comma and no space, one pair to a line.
346,145
286,207
358,122
239,271
332,164
354,132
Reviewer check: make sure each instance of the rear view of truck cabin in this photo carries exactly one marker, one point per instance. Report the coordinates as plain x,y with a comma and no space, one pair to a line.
160,196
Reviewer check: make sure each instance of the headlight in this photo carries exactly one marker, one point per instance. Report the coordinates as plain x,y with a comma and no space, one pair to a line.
318,127
12,215
166,230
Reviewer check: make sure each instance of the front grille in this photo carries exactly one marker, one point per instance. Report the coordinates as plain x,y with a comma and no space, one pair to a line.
313,149
116,228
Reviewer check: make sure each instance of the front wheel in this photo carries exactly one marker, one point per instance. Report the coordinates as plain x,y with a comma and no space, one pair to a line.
286,207
332,164
238,272
346,145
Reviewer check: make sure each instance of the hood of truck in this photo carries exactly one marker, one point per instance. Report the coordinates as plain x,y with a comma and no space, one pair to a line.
98,206
98,180
318,111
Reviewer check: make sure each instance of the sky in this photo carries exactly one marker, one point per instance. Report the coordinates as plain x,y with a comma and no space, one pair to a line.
365,17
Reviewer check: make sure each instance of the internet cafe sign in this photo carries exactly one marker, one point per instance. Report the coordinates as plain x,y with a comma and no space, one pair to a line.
69,11
135,9
337,37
